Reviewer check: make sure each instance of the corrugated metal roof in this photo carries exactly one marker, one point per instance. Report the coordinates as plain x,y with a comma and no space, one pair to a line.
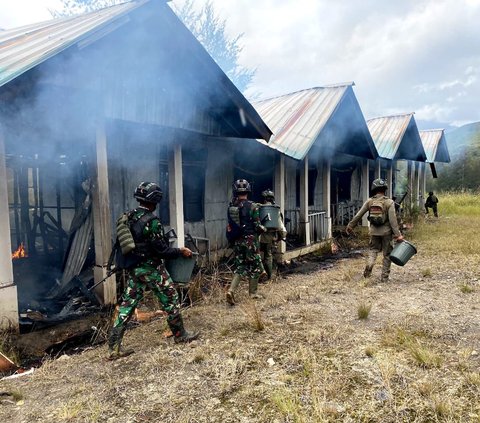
297,119
23,48
397,137
435,145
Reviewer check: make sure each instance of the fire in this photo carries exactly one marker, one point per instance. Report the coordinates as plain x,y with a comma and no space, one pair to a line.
19,252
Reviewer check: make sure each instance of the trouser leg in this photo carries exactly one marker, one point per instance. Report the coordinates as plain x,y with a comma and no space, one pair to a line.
267,258
373,250
387,263
232,289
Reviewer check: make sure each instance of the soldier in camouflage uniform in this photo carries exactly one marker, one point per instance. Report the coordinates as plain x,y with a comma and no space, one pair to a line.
146,269
269,239
248,262
383,226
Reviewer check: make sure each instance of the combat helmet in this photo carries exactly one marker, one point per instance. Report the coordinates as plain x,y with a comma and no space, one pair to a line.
148,192
379,184
268,195
241,186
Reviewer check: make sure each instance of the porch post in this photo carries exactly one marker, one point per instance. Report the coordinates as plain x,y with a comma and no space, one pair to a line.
175,187
378,168
416,182
304,223
326,200
280,193
390,165
102,225
410,185
423,185
8,291
365,187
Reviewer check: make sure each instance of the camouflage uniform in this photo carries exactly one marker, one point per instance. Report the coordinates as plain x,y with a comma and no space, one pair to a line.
148,270
268,241
248,262
380,236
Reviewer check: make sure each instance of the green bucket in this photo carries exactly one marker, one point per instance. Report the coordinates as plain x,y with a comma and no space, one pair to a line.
180,268
402,252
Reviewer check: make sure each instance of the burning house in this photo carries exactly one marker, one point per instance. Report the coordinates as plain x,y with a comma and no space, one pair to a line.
323,140
397,138
89,107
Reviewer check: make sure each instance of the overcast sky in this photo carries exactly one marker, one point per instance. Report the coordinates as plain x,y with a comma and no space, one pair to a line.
404,56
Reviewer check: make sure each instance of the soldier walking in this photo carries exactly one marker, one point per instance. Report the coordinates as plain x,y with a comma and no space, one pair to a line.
431,203
269,239
146,268
383,226
243,230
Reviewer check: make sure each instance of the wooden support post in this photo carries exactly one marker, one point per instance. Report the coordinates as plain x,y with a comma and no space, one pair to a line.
423,185
365,181
326,200
175,185
102,225
280,193
8,291
416,183
409,198
378,168
390,166
304,220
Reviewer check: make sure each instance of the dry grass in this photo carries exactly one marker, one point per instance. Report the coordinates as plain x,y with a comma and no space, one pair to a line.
300,355
363,310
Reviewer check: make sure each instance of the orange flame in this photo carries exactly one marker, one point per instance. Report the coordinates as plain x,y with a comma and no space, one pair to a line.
19,252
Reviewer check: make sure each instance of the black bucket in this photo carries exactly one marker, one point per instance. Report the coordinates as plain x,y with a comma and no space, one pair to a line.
181,268
402,252
270,216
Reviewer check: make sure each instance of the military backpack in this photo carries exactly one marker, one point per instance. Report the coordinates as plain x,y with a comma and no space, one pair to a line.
377,213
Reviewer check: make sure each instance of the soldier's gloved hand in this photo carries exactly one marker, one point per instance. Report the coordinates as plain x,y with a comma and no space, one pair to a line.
399,238
348,230
186,252
261,229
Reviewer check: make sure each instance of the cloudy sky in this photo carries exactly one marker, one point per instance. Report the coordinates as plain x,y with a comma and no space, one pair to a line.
421,56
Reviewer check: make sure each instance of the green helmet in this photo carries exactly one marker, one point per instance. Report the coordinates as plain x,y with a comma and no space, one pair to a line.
268,195
148,192
241,186
379,185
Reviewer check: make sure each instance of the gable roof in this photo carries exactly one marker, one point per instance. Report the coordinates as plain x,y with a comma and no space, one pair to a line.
397,138
328,116
435,145
220,110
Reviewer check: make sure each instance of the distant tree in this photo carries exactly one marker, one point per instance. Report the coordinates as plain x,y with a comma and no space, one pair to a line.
204,24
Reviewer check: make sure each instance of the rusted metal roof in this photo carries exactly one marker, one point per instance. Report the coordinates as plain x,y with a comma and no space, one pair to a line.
204,100
397,137
299,120
23,48
435,145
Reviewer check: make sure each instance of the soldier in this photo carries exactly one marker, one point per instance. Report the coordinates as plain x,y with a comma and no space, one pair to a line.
243,229
146,268
431,202
383,224
269,239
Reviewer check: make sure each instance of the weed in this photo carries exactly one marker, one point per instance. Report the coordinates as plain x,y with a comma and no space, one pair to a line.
441,408
426,273
363,310
254,316
472,379
466,288
289,405
370,351
423,356
198,358
425,388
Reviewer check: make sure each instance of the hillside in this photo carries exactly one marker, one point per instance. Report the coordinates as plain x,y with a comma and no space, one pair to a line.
460,138
463,171
325,345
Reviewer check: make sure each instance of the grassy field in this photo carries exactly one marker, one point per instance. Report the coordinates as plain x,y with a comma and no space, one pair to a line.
324,346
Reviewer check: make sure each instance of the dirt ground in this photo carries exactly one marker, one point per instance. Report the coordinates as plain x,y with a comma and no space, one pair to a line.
323,346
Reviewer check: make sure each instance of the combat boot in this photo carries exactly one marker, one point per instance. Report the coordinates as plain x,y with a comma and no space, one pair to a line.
115,344
252,289
230,296
368,271
179,332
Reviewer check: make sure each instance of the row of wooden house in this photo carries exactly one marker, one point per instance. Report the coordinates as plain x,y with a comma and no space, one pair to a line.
92,105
